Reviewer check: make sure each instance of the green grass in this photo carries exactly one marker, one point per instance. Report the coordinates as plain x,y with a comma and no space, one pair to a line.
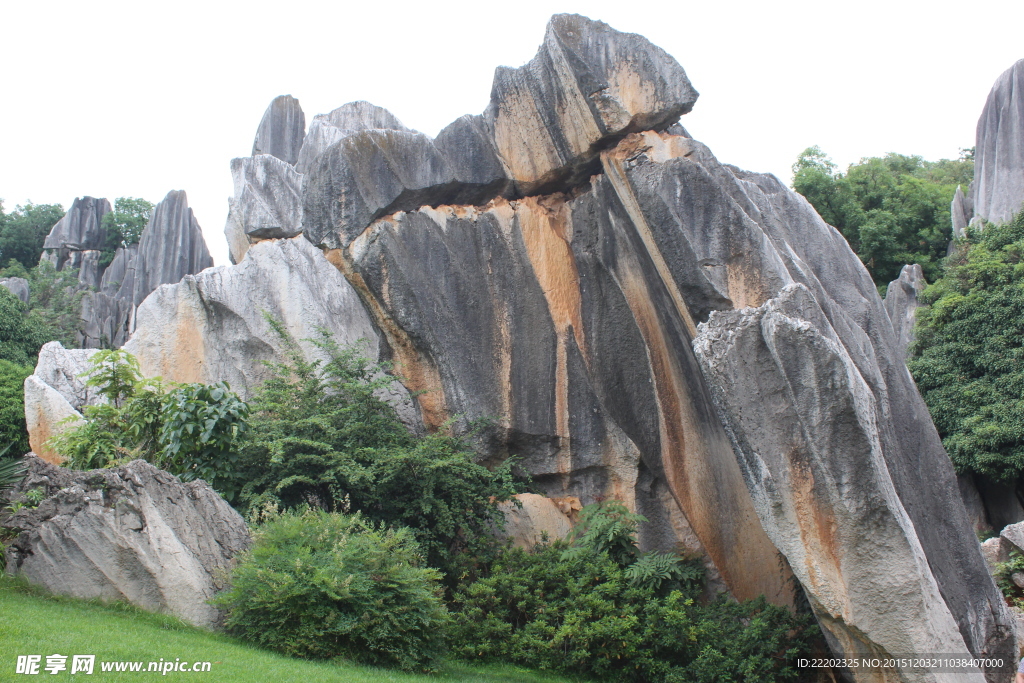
34,623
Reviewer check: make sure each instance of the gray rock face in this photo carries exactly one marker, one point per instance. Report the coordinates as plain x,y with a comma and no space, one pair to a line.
80,229
267,203
326,129
901,303
546,124
171,247
18,286
89,271
281,130
999,150
131,533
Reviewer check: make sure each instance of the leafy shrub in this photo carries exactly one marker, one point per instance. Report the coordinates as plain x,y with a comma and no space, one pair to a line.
187,429
969,354
53,312
124,225
320,434
13,434
596,606
320,585
1003,575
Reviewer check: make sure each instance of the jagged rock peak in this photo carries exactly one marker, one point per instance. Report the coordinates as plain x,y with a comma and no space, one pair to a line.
961,211
901,303
171,247
281,130
999,149
588,87
327,129
80,228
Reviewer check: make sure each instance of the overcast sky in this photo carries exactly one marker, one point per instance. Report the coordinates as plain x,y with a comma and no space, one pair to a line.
115,99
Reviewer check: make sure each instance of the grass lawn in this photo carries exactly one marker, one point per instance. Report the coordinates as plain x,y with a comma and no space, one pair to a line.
32,623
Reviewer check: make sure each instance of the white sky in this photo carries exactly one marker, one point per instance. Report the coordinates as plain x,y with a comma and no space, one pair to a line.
115,99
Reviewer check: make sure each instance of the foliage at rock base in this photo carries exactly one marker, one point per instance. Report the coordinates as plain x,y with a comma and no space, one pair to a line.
320,585
595,605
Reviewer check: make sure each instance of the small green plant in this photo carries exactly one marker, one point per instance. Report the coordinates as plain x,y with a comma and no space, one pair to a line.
321,585
187,429
34,497
1003,575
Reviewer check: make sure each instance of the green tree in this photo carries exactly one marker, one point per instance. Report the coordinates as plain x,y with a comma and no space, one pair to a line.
20,339
23,231
13,435
893,210
969,355
124,225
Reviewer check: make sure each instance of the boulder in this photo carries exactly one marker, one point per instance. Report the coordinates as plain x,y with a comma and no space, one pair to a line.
18,286
995,551
901,304
281,130
132,533
63,370
535,519
80,229
588,84
1014,534
54,392
45,413
998,187
267,202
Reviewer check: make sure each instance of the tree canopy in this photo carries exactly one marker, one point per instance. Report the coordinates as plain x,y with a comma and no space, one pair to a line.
124,225
969,354
893,210
23,231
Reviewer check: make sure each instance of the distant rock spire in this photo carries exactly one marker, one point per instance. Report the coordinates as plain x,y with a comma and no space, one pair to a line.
282,129
999,150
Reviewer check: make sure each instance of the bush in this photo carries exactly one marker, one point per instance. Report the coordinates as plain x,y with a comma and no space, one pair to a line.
320,585
20,339
13,434
596,606
319,434
186,429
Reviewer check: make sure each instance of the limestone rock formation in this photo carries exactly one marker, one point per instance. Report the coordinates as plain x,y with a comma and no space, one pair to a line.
791,442
267,202
901,303
213,326
18,286
131,533
55,391
326,129
998,188
80,229
171,246
637,321
281,130
961,210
